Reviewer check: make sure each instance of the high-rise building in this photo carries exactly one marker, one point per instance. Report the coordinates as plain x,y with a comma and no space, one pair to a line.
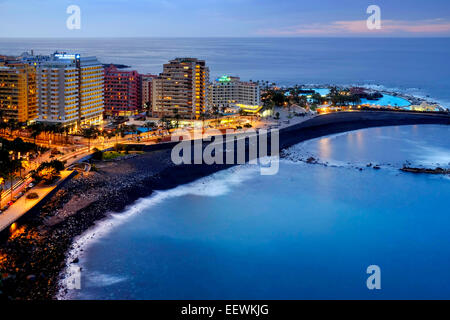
229,91
147,90
181,89
70,90
18,93
122,94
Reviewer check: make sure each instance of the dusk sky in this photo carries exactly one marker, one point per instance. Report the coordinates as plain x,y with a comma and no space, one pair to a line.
215,18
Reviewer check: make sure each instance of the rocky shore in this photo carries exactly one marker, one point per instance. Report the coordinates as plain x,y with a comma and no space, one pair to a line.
426,170
32,258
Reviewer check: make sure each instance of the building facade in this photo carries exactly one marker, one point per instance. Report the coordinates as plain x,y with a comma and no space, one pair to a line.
181,89
18,100
227,92
70,90
122,92
147,91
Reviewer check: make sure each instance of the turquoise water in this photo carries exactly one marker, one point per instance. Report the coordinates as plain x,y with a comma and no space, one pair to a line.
308,232
388,101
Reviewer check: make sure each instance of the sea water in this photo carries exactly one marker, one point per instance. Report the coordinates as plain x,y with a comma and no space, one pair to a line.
309,232
410,65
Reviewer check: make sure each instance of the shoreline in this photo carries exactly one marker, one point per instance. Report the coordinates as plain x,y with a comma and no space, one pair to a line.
38,253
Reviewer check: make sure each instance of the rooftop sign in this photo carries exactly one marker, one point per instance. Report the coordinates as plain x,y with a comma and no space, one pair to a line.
224,79
67,56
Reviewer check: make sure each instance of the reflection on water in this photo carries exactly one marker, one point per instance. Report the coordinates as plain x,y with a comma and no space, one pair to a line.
324,148
308,232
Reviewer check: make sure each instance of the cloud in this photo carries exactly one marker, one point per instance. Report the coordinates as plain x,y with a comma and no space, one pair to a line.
359,27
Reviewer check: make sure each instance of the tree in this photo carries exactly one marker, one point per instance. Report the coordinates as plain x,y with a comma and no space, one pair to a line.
216,113
177,118
47,171
11,174
36,129
2,185
166,123
89,133
278,98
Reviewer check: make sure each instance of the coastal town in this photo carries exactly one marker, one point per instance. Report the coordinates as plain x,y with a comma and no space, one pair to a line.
66,117
58,109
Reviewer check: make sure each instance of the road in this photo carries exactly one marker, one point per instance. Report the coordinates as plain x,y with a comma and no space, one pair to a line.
23,205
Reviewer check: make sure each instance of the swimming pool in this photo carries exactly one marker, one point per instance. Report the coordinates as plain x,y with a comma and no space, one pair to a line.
387,101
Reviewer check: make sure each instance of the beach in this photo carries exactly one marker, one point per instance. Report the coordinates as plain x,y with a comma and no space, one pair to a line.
34,257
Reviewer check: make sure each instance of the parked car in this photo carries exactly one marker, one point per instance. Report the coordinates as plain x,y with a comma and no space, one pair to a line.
18,196
5,208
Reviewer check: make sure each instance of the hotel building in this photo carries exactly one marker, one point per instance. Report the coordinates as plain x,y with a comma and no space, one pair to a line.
228,92
181,89
70,90
147,90
122,92
18,93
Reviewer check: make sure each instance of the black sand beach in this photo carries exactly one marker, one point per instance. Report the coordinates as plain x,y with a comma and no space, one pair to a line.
32,259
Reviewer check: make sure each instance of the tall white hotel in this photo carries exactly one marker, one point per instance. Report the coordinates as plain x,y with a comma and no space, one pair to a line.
70,90
228,92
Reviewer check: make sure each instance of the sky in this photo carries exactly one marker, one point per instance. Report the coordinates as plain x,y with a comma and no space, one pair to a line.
224,18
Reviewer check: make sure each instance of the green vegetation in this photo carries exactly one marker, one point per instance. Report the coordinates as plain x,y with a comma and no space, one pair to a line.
48,171
110,155
14,156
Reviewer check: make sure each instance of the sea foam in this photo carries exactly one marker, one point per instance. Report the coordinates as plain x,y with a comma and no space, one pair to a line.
217,184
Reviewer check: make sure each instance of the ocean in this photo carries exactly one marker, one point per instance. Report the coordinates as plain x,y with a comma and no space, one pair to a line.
416,66
309,232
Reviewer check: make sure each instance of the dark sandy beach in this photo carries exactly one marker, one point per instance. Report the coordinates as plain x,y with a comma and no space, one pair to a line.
32,259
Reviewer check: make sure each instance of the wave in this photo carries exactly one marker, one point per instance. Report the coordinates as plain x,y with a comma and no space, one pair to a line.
217,184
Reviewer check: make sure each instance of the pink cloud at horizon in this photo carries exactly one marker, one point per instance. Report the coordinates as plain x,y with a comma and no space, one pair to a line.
358,27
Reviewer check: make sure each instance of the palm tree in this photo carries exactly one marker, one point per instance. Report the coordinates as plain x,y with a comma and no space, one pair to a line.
89,133
12,126
165,122
36,130
11,175
2,185
177,118
216,113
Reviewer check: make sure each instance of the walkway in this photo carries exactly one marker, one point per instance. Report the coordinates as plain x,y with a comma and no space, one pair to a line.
23,205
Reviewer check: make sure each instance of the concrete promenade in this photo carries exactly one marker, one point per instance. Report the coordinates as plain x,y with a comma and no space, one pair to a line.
23,205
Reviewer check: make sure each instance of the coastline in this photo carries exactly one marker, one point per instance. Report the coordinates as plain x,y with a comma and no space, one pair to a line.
48,235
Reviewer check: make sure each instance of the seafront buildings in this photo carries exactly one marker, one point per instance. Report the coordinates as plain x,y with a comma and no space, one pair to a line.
18,93
122,92
181,89
147,90
229,92
70,90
